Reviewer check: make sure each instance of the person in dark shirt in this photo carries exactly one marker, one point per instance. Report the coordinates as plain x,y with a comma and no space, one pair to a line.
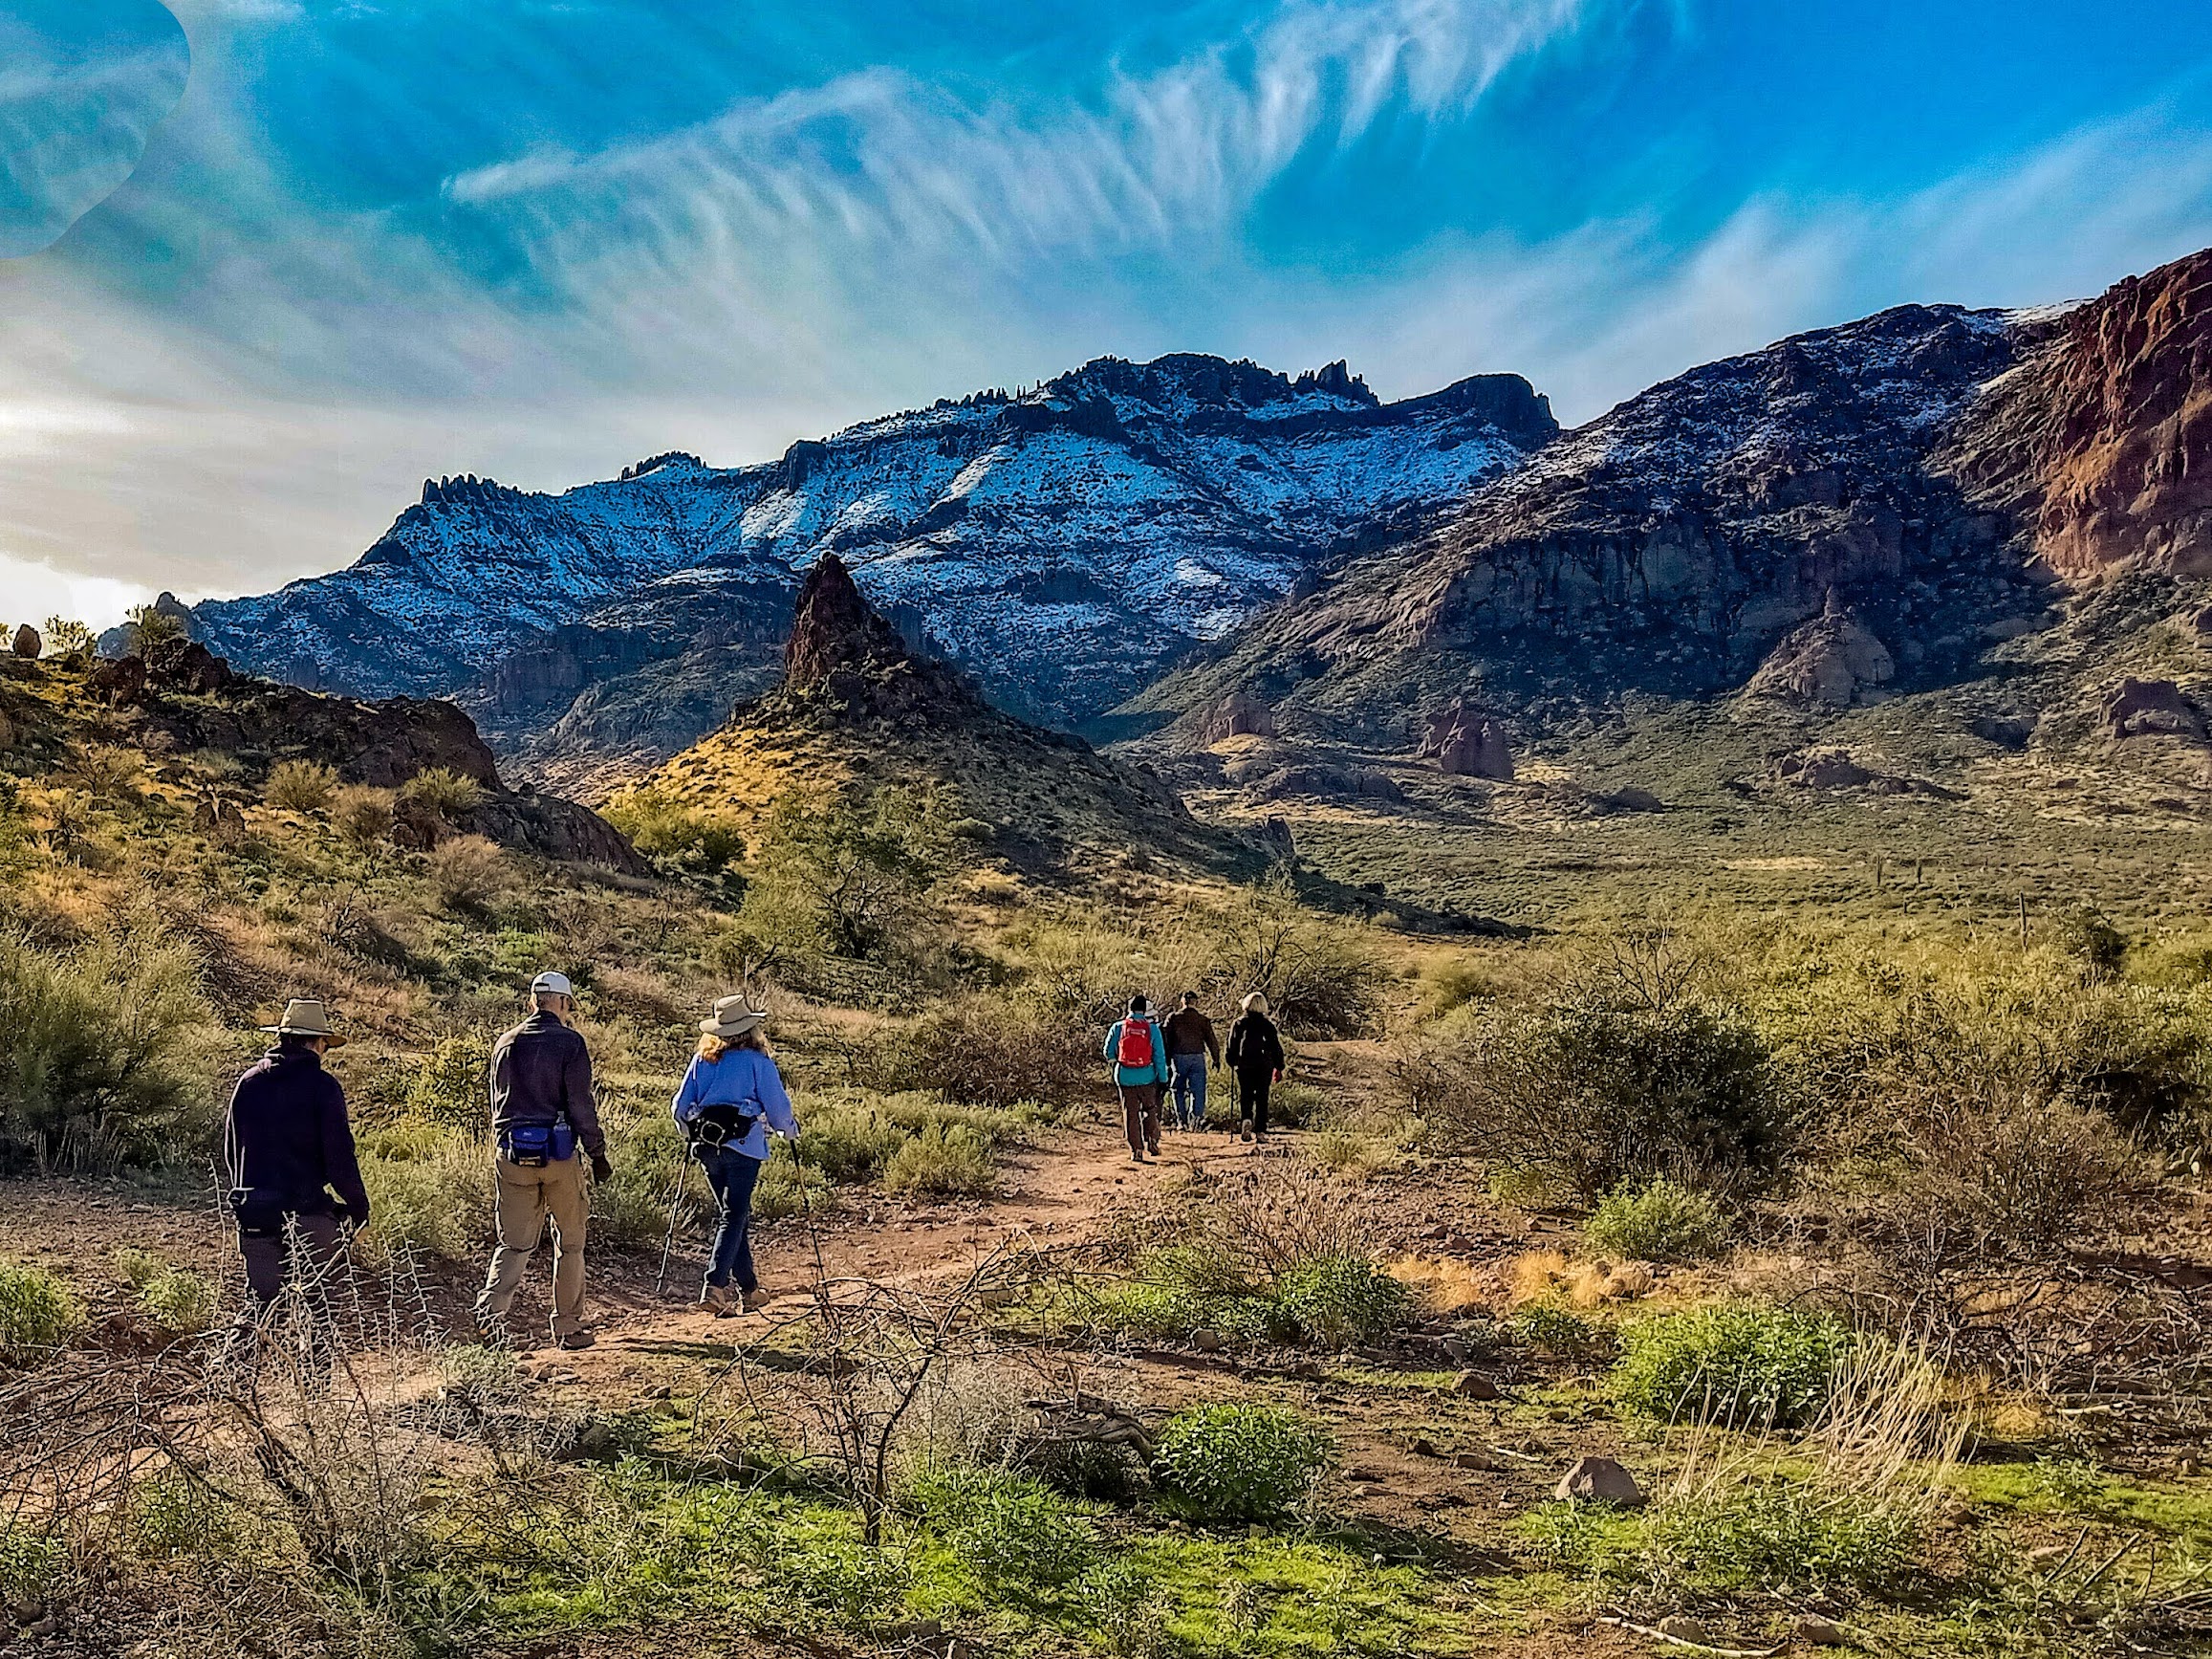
1257,1061
287,1149
1190,1043
542,1116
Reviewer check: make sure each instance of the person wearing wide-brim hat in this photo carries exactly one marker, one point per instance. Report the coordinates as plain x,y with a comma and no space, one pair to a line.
1256,1062
732,1099
293,1176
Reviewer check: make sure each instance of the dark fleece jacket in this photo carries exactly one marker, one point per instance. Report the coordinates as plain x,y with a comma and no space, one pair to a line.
286,1138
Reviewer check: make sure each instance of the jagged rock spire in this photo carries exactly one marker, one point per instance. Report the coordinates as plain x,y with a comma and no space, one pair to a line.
834,627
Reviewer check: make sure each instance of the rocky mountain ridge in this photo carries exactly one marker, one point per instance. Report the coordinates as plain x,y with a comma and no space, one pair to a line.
1062,544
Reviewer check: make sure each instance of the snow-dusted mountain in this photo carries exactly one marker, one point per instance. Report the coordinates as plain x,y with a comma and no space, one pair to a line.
1062,545
1668,546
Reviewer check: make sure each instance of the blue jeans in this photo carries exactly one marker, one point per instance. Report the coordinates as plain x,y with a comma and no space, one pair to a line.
1189,1071
732,1175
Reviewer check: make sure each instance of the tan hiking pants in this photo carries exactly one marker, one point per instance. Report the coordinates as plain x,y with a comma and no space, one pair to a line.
525,1198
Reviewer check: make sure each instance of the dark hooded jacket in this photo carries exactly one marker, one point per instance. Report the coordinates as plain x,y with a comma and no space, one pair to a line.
541,1073
1255,1046
287,1144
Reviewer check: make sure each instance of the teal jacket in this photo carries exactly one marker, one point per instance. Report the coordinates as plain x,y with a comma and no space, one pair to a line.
1130,1076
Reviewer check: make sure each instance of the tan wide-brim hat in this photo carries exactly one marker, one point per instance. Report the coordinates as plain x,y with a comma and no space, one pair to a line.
306,1017
1255,1003
732,1016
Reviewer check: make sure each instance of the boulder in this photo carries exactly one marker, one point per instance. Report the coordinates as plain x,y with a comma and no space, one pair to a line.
1827,662
28,643
1821,769
1475,1385
1599,1481
121,681
2150,707
1814,1632
1468,743
1237,714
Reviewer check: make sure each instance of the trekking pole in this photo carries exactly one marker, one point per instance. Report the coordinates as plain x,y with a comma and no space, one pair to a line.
675,1203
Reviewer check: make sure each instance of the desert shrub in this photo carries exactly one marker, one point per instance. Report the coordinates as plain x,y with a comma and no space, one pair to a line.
299,785
1340,1300
1239,1463
174,1515
101,1062
451,794
850,874
1011,1528
451,1085
175,1300
1781,1534
945,1159
1658,1221
674,834
1735,1363
985,1052
1549,1327
30,1563
362,815
851,1140
1590,1095
65,636
430,1189
466,872
109,771
151,629
2027,1175
788,1186
1321,978
38,1313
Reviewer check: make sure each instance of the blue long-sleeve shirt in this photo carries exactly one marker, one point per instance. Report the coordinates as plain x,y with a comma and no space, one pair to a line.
1130,1076
742,1076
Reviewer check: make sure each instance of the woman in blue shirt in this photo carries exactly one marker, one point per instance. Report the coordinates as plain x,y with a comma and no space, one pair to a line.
730,1098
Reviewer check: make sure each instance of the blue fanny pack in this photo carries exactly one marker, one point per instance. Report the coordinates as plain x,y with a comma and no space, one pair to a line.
534,1145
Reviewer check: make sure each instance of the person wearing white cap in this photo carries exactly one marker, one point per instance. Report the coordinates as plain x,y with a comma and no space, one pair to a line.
542,1114
287,1148
730,1098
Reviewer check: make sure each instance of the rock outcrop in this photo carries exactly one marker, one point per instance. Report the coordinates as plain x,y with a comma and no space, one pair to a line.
1827,662
2150,709
1236,714
27,642
1468,743
2102,441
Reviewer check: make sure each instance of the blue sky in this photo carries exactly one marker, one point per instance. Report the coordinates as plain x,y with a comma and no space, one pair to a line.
265,264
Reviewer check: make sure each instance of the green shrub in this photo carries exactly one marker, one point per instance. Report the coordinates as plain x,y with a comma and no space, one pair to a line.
1549,1327
430,1191
299,785
1145,1308
1659,1221
174,1515
30,1564
100,1059
362,814
941,1159
982,1051
1239,1463
466,872
173,1298
1010,1528
1784,1534
451,794
1340,1300
787,1186
851,1140
673,834
1591,1094
38,1313
1583,1538
1733,1362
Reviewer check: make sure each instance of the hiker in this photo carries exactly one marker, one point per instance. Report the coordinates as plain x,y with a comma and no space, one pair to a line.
287,1148
541,1114
1140,1057
729,1101
1256,1060
1190,1041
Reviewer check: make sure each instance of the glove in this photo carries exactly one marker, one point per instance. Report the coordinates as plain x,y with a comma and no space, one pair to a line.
601,1171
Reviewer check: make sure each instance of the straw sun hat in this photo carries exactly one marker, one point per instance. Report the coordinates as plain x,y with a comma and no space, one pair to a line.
306,1017
732,1016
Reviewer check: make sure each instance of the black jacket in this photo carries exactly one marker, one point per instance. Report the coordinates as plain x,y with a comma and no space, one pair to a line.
541,1073
285,1140
1255,1046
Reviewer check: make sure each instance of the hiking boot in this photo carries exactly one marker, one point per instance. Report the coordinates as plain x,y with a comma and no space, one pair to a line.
751,1301
718,1299
1136,1157
575,1340
1246,1129
1152,1146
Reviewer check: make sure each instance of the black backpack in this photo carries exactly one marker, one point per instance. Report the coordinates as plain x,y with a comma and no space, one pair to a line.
718,1126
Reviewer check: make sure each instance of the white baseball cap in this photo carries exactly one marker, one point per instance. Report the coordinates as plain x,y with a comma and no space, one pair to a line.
551,984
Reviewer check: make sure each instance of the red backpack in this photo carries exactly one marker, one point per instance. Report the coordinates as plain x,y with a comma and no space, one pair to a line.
1135,1046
